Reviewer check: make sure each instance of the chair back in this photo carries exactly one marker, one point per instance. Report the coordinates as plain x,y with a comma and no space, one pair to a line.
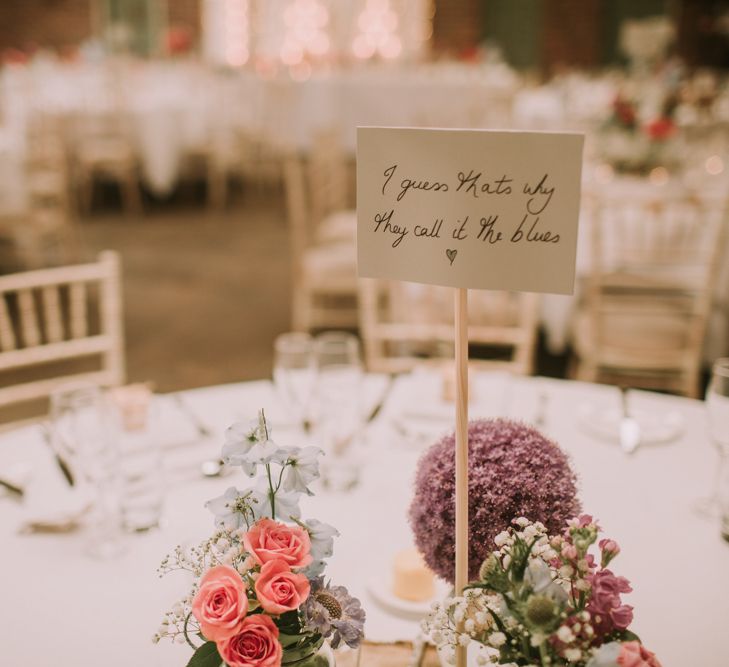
328,177
404,325
653,273
50,318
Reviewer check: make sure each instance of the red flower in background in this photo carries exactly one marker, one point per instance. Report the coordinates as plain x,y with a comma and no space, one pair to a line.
13,56
179,40
624,111
661,129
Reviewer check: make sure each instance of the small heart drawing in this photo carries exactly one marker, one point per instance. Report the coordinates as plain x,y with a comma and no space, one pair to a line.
451,254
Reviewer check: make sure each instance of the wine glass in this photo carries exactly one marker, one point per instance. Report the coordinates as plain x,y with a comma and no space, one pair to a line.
80,425
294,374
338,406
717,411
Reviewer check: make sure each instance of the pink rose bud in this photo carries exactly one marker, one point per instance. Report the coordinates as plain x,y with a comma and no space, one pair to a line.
634,654
610,545
610,549
569,551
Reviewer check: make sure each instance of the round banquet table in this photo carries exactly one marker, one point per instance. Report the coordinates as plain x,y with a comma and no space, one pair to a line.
60,607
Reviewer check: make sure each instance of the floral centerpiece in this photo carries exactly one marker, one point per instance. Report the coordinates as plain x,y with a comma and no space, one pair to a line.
544,600
637,138
259,598
514,470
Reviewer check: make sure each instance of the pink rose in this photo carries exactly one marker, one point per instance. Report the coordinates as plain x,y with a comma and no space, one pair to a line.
256,645
270,540
634,654
279,589
221,603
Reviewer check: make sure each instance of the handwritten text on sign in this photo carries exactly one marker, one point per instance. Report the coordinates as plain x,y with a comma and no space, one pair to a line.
469,208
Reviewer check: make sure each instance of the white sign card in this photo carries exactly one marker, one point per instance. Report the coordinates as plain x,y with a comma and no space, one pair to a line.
469,208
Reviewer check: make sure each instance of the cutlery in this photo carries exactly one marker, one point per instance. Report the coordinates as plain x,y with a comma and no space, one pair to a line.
419,647
60,462
629,433
540,419
63,523
383,399
203,430
12,488
214,468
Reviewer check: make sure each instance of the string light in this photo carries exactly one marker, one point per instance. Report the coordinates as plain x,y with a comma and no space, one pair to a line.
377,25
236,32
659,176
226,31
714,165
305,23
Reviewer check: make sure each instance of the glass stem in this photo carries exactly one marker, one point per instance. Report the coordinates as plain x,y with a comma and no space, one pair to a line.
717,475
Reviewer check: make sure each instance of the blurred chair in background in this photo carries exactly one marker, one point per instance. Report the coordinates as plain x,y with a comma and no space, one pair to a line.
649,294
266,141
43,234
104,151
323,231
260,160
404,324
57,322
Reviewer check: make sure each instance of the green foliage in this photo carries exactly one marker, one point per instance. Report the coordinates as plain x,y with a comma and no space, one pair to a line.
303,654
206,656
520,551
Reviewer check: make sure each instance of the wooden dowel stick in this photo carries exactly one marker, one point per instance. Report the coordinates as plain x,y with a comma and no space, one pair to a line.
461,318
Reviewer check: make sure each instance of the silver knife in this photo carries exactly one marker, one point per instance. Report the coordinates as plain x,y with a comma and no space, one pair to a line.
629,427
383,399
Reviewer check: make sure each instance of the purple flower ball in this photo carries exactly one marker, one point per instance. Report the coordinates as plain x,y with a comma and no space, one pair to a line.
513,471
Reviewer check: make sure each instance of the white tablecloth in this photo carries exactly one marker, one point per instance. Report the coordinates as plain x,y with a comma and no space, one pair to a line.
60,607
172,108
290,112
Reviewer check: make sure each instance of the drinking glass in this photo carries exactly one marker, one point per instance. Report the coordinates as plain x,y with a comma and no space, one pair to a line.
81,426
293,374
717,408
140,457
717,411
338,407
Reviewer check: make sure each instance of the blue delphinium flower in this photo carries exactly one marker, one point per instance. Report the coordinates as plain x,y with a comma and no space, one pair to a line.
322,537
286,504
231,509
302,469
250,446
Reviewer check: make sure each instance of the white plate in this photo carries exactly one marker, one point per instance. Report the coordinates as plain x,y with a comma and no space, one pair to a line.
381,590
656,427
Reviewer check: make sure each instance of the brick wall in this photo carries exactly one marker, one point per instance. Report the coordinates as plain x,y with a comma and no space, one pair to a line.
571,34
61,23
457,25
52,23
185,13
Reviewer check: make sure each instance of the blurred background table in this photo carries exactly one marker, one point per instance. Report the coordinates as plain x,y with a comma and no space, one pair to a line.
644,501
